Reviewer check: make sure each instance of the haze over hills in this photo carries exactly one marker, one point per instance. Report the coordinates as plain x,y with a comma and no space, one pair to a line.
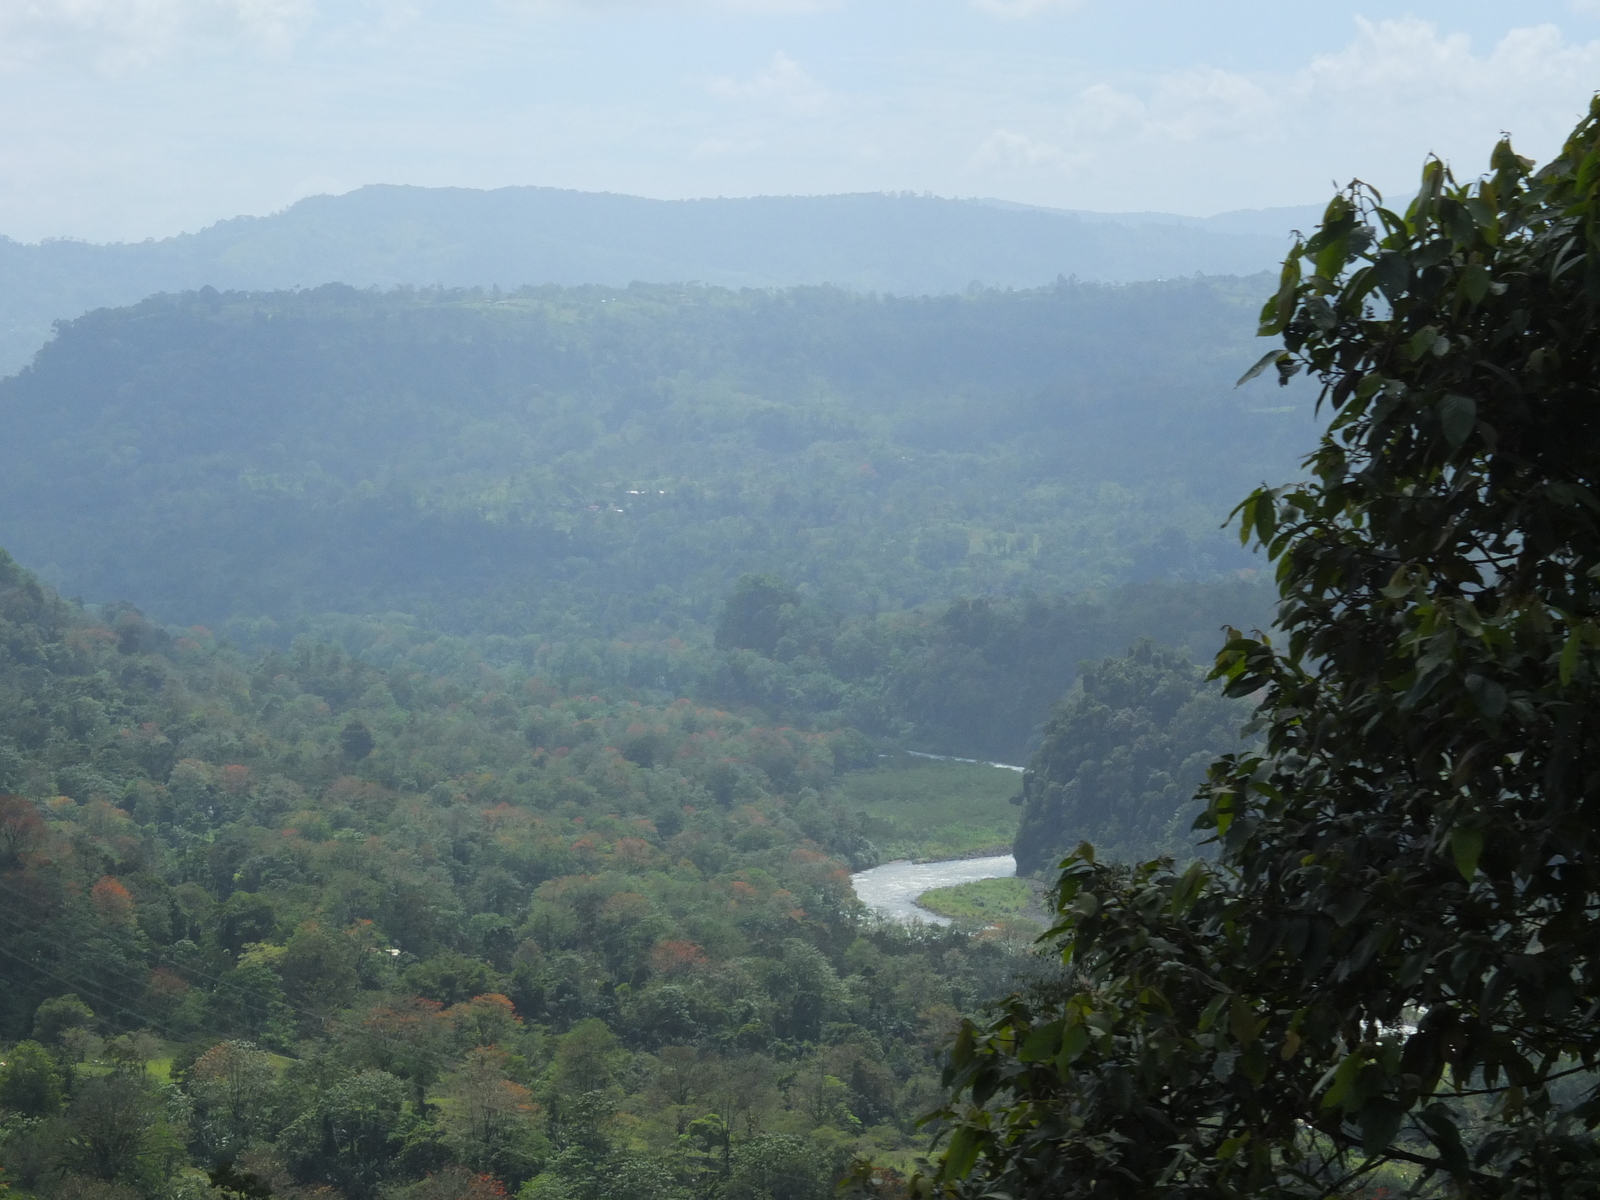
609,458
387,235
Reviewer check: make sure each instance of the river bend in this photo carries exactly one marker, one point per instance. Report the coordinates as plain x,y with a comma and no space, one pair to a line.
893,888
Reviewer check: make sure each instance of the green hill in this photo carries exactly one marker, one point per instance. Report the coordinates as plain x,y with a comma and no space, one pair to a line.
386,235
572,462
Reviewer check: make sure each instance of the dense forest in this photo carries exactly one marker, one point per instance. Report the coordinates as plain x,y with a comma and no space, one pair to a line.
590,461
369,930
975,676
450,786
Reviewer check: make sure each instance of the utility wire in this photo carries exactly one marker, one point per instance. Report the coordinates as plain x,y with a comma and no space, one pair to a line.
216,981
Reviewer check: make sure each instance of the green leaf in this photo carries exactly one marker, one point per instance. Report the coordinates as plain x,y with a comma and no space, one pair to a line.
1457,415
1466,847
1569,656
1440,1128
1042,1043
961,1154
1393,274
1246,512
1488,695
1344,1077
1187,888
1475,282
1380,1121
1421,342
1232,1146
1265,361
963,1051
1073,1043
1266,514
1222,812
1243,1024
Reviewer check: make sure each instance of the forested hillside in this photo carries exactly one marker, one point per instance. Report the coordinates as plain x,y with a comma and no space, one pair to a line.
351,927
972,677
514,237
1122,759
525,673
581,462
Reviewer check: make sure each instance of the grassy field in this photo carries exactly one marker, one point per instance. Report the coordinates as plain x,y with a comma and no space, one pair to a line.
988,900
926,810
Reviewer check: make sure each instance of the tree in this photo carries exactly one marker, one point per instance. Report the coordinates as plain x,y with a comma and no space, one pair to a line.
130,1052
319,969
1396,959
355,739
1122,757
30,1081
453,1183
112,903
118,1133
407,1038
752,618
59,1015
351,1134
246,917
230,1084
776,1166
21,829
493,1120
486,1020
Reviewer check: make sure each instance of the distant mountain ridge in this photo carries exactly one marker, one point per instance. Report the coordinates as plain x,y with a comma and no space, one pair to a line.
386,235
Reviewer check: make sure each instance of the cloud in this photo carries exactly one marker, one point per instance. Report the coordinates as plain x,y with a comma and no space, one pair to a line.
1024,8
1006,148
1408,58
1192,105
1398,86
607,7
116,33
1200,138
724,147
782,85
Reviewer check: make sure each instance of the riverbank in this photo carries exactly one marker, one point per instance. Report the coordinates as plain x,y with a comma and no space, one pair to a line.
931,810
892,889
987,901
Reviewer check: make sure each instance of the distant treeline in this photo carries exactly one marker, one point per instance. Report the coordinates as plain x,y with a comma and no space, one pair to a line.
973,677
592,462
386,235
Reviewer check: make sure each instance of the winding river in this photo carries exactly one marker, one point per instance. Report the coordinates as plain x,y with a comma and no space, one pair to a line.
893,888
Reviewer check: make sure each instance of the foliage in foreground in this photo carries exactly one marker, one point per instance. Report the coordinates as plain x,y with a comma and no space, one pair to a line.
1393,967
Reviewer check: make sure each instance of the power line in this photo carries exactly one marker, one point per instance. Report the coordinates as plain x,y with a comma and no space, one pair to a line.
214,980
93,990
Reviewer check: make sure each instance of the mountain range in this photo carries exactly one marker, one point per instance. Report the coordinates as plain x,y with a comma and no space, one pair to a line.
386,235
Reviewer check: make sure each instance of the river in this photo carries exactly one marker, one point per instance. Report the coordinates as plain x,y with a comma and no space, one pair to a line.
893,888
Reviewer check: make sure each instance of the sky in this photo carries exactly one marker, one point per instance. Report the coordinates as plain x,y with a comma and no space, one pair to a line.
128,119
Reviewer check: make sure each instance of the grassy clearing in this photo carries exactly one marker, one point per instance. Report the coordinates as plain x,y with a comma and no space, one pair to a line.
926,810
988,900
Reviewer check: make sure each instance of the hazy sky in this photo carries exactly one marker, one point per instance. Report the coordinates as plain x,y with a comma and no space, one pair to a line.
136,118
